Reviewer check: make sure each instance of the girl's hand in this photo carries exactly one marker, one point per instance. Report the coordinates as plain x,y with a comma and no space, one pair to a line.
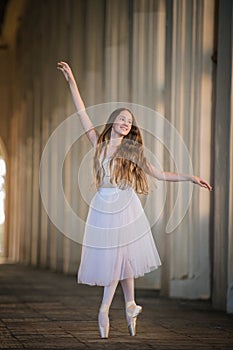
197,180
66,70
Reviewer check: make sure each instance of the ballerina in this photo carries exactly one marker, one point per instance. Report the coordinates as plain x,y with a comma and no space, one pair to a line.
118,244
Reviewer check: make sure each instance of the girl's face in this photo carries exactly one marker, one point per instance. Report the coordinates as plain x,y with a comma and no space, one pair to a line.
122,123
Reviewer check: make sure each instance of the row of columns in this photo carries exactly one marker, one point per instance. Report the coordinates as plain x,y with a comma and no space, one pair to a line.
151,53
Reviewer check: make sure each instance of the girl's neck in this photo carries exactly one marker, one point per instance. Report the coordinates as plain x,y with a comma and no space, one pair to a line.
112,146
115,141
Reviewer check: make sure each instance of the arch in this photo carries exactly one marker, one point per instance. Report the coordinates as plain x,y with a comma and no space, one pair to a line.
4,240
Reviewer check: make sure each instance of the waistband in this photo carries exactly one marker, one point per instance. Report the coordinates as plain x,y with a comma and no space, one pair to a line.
113,189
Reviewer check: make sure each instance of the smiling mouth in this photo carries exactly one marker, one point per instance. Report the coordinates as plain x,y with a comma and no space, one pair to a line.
123,128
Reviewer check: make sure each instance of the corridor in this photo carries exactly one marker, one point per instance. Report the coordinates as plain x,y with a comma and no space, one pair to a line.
169,63
40,309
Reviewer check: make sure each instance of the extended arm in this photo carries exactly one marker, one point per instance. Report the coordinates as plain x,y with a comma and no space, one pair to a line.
88,127
169,176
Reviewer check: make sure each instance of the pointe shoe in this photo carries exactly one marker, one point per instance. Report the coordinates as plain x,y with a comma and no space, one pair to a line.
132,327
104,330
132,313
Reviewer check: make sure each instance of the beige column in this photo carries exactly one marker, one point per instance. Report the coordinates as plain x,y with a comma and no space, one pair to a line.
116,47
188,107
41,72
147,79
222,259
36,205
72,250
230,215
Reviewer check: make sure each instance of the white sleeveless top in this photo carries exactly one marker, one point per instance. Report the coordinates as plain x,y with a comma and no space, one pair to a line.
106,179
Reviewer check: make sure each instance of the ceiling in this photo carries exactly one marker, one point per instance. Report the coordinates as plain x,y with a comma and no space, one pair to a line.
3,5
11,14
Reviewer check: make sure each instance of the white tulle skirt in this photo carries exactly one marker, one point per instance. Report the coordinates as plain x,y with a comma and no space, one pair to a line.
118,241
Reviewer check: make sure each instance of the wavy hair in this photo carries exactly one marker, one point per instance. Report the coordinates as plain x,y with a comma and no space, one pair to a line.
128,159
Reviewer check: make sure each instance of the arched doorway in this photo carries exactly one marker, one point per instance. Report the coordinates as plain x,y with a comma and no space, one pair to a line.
3,191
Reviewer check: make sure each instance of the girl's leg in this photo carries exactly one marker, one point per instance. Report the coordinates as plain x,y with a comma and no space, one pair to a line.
106,302
128,289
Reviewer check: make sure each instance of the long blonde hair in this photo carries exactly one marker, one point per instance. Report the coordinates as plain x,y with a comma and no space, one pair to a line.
129,160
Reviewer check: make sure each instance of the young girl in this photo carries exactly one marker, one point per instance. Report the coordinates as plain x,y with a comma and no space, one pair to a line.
118,244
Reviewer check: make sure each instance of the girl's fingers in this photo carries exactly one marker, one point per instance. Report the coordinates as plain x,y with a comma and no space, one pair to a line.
64,64
64,70
208,186
205,184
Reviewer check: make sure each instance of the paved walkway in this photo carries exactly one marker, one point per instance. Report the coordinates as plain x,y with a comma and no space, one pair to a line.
44,310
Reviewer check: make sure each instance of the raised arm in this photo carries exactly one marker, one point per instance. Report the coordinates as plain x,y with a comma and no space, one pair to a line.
88,127
169,176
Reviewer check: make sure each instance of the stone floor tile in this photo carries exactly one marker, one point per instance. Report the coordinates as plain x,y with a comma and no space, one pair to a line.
40,309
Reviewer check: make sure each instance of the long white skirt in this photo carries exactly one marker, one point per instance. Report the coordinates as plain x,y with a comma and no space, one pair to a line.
118,241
